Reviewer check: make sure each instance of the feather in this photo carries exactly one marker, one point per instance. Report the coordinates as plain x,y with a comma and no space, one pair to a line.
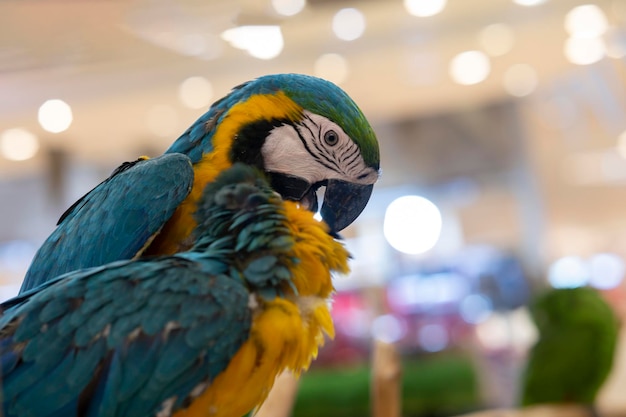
138,337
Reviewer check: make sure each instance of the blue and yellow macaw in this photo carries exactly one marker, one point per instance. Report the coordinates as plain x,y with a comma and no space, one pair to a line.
199,333
304,132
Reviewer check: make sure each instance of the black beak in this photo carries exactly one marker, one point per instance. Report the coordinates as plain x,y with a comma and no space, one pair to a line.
343,201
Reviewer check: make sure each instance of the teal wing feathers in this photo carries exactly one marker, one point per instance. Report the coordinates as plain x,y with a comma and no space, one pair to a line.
115,219
126,339
141,337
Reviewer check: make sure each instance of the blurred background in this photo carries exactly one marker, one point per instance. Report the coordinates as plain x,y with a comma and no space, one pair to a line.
503,136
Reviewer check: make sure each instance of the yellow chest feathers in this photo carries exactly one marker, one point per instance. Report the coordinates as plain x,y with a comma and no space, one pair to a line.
285,335
286,332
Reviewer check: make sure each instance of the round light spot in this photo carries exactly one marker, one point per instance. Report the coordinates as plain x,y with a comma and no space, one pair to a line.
388,328
55,116
433,337
192,44
586,21
584,51
607,271
497,39
18,144
349,24
332,67
195,92
424,8
288,7
520,80
529,3
495,332
470,67
260,41
412,224
568,272
475,308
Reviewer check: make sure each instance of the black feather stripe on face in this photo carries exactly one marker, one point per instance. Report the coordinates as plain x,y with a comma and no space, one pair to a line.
249,141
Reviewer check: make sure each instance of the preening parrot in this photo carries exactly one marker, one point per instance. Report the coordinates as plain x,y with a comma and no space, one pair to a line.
199,333
574,354
304,132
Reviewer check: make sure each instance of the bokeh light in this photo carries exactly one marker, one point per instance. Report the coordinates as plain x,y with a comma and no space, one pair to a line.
424,8
412,224
584,51
18,144
260,41
508,330
494,332
195,92
475,308
520,80
411,293
529,3
433,337
606,271
332,67
388,328
55,116
586,21
470,67
497,39
349,24
288,7
568,272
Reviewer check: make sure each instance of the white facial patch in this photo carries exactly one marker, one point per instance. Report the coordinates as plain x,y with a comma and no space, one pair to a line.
316,149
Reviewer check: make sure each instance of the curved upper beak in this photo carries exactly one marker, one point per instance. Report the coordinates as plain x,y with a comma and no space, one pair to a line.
342,204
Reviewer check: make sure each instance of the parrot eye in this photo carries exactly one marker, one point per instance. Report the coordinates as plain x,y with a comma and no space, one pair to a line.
331,138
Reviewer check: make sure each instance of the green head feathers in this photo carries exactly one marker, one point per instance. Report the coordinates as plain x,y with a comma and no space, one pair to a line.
289,126
311,93
326,99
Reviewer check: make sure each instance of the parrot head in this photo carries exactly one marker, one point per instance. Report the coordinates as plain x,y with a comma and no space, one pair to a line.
568,307
304,132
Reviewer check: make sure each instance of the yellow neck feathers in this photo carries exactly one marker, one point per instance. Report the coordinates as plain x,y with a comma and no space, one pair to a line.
175,234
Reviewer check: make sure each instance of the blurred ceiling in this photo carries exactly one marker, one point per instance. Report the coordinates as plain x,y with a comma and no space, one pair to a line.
114,61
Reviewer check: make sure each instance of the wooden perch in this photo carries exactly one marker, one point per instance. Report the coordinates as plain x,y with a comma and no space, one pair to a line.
386,384
545,410
281,398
